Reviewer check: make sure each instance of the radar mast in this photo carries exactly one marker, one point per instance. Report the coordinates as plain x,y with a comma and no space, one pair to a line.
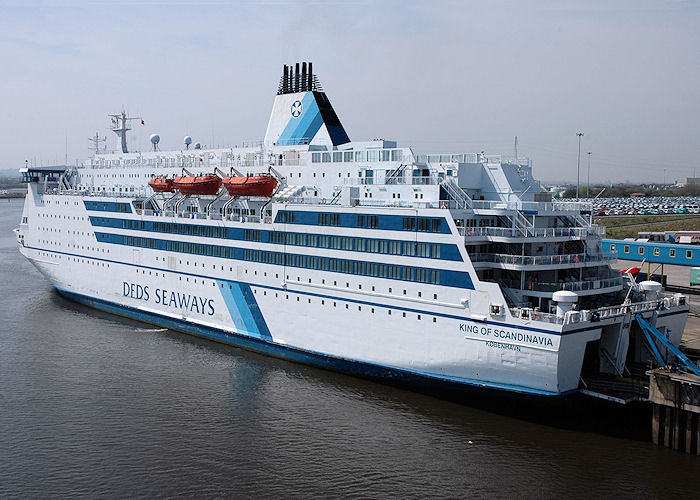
95,147
119,127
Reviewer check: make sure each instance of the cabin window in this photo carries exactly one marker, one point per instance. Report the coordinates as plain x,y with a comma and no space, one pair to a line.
672,253
688,254
612,247
626,249
657,252
640,250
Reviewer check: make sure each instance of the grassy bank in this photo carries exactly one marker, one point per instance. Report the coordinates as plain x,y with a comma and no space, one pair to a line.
628,227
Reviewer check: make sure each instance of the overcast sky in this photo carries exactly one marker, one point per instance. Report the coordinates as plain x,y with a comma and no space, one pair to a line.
436,75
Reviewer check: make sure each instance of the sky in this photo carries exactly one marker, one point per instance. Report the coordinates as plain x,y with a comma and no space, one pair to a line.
440,76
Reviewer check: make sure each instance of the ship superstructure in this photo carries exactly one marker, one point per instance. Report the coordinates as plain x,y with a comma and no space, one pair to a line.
367,257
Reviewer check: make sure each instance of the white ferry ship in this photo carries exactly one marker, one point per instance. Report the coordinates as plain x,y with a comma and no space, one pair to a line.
363,257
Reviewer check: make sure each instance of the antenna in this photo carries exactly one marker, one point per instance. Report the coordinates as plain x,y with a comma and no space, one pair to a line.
95,148
516,149
119,127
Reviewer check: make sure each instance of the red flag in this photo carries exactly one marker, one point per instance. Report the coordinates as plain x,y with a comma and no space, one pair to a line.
631,270
143,122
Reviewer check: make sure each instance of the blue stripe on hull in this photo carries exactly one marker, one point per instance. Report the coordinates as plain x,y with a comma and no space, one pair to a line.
358,368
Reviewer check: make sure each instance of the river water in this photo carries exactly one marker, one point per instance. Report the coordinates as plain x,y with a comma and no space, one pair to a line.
94,405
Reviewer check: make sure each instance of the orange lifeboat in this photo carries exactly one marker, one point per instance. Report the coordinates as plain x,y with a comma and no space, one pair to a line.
201,184
251,185
162,185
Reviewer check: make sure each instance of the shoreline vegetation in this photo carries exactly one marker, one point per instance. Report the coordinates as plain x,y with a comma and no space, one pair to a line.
629,226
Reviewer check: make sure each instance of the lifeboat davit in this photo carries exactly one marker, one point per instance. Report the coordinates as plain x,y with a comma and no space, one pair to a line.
251,185
201,184
162,185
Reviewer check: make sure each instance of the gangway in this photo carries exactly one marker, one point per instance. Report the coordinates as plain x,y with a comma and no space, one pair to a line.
653,334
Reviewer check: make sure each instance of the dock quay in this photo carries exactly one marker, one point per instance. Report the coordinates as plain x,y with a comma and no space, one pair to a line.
675,397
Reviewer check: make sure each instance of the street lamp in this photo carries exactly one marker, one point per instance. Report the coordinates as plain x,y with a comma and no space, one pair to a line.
588,194
578,162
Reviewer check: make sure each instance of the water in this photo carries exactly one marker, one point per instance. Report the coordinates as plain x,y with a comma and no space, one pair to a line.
93,405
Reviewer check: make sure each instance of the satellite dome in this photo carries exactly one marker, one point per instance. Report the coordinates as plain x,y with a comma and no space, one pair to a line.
197,145
188,140
155,139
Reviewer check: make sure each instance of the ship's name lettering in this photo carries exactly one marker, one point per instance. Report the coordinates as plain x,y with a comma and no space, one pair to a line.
169,298
497,333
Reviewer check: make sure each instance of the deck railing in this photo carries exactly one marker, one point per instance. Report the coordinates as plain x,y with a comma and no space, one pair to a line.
540,260
572,286
545,232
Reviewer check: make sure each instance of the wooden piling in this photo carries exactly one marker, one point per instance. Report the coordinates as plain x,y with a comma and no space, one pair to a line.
676,410
655,422
688,431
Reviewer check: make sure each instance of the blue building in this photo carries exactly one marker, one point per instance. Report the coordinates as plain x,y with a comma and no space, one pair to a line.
654,252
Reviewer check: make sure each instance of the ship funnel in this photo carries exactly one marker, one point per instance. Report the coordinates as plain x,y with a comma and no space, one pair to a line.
302,113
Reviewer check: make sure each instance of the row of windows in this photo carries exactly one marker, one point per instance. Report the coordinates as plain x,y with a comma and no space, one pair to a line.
286,217
424,224
108,206
657,251
199,249
388,271
392,247
358,156
135,241
370,221
189,229
329,219
136,224
74,259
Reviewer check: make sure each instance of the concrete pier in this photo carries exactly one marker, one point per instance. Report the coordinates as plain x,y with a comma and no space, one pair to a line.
676,415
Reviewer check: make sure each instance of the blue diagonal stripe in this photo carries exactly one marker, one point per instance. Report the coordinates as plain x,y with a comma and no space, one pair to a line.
244,310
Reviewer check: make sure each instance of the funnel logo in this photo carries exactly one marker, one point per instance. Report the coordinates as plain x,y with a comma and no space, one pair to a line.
296,109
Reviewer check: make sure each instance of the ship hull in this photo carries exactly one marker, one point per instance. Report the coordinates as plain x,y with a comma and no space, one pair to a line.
371,371
377,328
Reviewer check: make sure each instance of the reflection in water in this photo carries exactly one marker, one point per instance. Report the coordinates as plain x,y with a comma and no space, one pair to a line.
97,405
